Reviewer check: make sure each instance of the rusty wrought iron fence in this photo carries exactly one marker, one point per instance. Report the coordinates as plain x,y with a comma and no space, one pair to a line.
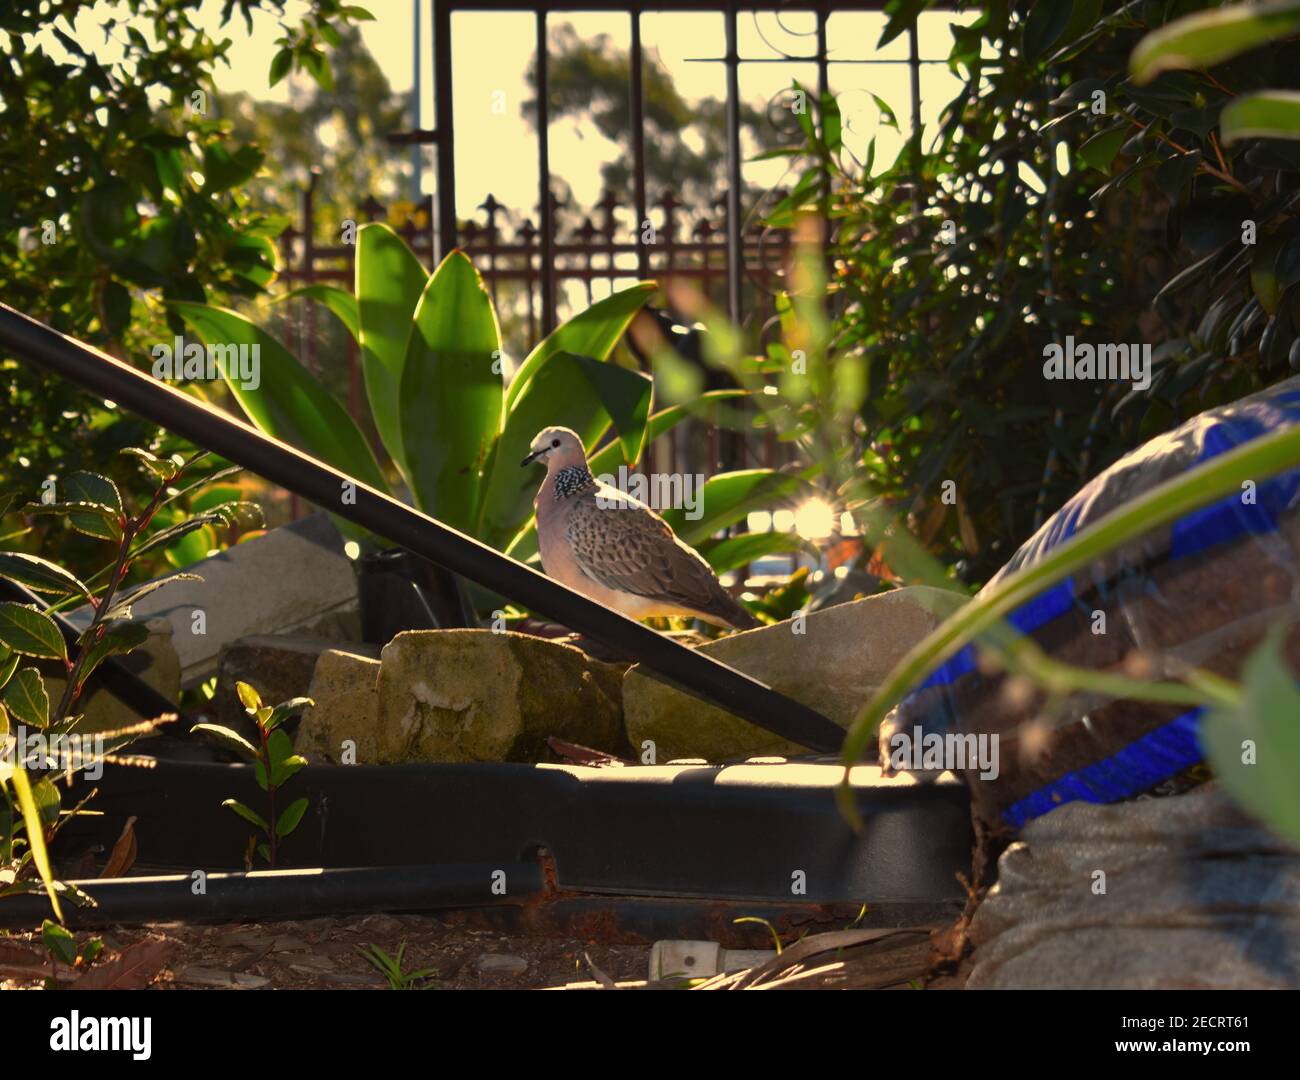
595,251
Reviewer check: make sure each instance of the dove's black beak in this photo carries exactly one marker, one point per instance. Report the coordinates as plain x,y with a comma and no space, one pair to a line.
530,459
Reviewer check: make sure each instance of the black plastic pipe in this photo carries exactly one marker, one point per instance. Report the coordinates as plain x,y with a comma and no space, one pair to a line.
282,893
131,690
295,471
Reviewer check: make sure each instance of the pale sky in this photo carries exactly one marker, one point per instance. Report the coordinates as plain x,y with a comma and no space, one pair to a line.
496,150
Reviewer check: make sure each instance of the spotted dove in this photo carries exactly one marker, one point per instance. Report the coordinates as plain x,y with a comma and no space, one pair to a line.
614,549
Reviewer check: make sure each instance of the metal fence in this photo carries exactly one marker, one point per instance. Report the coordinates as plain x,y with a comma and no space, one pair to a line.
533,259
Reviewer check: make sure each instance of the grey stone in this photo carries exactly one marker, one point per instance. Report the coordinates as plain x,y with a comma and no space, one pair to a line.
345,688
841,656
278,666
155,662
1197,896
293,580
502,964
476,695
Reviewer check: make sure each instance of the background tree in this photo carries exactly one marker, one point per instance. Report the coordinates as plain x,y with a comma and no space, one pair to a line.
685,141
121,190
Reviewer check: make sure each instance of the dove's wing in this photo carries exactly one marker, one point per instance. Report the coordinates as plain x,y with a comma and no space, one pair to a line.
626,546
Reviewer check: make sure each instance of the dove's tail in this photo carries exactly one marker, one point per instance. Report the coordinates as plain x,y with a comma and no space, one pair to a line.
724,609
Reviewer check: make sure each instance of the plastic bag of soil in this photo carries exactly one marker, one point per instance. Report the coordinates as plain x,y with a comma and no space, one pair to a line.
1199,592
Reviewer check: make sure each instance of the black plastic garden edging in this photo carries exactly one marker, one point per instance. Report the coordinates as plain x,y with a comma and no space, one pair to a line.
295,471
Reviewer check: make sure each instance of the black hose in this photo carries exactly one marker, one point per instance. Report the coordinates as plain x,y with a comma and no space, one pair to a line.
220,897
208,427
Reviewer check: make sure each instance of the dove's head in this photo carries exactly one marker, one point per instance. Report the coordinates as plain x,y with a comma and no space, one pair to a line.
558,447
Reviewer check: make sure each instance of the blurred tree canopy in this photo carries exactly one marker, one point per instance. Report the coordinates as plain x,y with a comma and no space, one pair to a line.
337,129
1059,196
120,190
685,141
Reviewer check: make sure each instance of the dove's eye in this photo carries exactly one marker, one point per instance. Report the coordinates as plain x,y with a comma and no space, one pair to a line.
555,444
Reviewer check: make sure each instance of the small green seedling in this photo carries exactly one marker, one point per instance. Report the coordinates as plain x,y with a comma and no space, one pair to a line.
62,946
274,762
391,968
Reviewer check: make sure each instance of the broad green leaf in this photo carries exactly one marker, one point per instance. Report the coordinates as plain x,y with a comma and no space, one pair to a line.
26,699
279,747
450,401
593,332
248,814
339,301
1263,271
1254,747
611,457
223,170
232,739
36,835
1269,114
92,519
289,817
59,942
117,639
162,468
728,497
192,548
389,280
568,391
1210,37
40,575
288,403
92,488
734,551
25,630
1083,18
1100,150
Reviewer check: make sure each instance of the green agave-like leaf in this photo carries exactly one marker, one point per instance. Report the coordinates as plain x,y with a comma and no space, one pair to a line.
1269,114
593,332
25,630
728,497
288,402
451,393
340,302
389,281
734,551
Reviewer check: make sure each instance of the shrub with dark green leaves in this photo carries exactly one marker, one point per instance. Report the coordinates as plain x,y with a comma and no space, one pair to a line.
90,504
274,763
1063,195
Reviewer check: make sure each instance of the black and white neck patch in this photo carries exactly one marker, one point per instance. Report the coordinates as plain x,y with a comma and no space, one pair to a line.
571,480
